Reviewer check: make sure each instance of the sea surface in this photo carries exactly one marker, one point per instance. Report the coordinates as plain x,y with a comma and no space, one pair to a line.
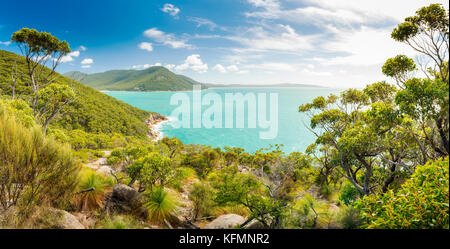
291,130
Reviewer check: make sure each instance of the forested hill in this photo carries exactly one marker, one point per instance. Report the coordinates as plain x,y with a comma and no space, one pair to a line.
91,110
151,79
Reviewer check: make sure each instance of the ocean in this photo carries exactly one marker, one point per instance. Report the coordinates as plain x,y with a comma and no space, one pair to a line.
285,123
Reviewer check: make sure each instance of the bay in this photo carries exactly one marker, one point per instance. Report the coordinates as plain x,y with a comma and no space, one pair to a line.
291,132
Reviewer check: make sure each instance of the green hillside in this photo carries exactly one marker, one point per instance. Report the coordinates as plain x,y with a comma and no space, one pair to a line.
91,111
151,79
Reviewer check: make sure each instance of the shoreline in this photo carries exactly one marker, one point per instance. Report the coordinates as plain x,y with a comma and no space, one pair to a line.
154,123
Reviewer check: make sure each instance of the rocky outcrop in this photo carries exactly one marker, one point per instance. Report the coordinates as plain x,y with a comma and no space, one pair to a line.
124,199
151,122
226,221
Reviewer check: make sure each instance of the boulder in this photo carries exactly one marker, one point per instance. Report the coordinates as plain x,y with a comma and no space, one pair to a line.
69,221
125,199
254,224
226,221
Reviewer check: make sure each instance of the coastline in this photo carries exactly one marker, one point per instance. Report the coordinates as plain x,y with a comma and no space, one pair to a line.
154,123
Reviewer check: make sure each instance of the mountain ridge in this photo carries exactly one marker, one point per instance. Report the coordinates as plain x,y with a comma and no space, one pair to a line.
156,78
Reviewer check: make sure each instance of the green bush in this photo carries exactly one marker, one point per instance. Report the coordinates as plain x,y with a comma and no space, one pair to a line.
34,169
348,193
201,196
349,217
422,202
92,199
161,205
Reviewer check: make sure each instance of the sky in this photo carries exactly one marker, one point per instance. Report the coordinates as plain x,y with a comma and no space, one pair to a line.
333,43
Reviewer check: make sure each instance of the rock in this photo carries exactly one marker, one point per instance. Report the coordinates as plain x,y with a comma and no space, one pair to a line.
125,199
226,221
68,221
87,220
105,170
254,224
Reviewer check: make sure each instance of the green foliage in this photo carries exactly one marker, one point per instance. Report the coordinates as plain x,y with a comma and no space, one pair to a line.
34,169
422,202
348,193
201,159
201,195
151,79
19,109
40,43
399,67
90,111
161,205
349,218
151,169
433,17
91,190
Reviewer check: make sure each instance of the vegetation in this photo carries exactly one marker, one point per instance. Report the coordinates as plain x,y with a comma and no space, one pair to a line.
155,78
421,202
380,159
35,170
161,205
90,110
91,190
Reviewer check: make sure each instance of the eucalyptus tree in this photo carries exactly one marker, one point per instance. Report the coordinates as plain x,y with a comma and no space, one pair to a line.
425,100
41,49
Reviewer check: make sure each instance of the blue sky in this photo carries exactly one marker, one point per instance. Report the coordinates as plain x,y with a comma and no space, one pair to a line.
339,43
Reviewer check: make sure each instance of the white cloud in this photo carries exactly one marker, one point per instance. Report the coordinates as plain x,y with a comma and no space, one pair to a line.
222,69
69,57
5,43
363,47
83,48
145,66
281,38
232,68
146,46
267,4
203,22
86,66
170,9
87,61
344,12
193,62
273,66
219,68
166,39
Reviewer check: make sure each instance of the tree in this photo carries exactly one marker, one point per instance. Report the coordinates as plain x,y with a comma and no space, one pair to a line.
399,68
39,48
427,32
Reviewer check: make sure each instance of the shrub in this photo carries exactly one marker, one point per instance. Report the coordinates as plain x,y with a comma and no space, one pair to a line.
422,202
201,196
348,193
349,217
161,205
34,169
91,199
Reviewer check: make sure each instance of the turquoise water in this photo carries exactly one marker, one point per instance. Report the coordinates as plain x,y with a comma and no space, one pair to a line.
292,132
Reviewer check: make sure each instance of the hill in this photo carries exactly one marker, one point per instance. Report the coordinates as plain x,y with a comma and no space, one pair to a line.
151,79
91,110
